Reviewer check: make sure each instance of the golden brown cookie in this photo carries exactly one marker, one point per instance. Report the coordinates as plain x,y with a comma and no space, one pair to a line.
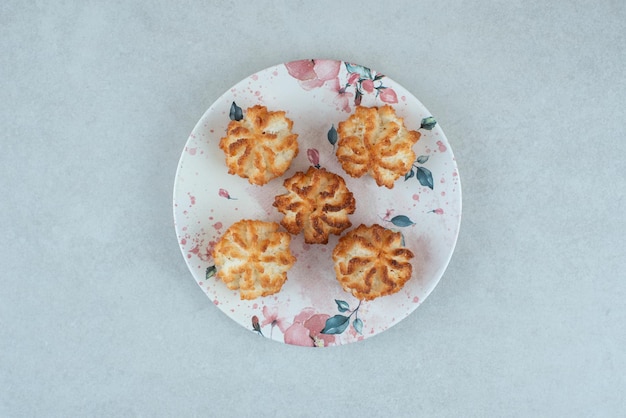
254,257
260,146
374,140
317,202
370,261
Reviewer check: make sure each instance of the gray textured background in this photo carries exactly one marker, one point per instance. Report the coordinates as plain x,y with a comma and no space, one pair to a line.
99,315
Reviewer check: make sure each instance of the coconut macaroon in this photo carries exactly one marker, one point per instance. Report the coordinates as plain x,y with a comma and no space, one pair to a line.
374,141
254,257
370,261
317,203
261,146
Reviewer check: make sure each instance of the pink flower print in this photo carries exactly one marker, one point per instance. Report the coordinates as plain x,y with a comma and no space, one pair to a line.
313,73
305,330
313,156
297,334
301,70
388,214
327,70
224,193
270,316
304,314
343,98
343,101
368,85
358,96
255,325
354,77
387,95
315,324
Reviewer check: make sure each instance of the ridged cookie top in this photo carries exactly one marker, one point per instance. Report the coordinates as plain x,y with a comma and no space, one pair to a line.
254,257
374,140
260,146
372,262
317,203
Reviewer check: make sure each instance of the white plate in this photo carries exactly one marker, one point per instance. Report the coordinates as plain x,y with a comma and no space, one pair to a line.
317,95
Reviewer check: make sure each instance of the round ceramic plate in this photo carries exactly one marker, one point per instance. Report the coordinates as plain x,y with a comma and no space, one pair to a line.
312,309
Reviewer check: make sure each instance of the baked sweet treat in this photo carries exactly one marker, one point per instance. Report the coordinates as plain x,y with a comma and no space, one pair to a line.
254,257
317,202
374,140
370,261
260,146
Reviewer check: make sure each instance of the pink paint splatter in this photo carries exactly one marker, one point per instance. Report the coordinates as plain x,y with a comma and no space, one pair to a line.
217,225
203,253
443,180
442,147
454,174
416,197
255,306
257,93
275,73
438,211
183,241
416,299
443,193
192,151
255,77
192,199
216,302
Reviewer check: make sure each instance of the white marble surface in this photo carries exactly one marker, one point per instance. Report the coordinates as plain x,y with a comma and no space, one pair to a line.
99,315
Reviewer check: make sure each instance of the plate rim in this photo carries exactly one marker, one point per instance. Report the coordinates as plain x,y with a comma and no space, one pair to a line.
198,125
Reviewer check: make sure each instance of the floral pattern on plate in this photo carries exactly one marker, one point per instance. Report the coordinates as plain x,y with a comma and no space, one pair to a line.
312,309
